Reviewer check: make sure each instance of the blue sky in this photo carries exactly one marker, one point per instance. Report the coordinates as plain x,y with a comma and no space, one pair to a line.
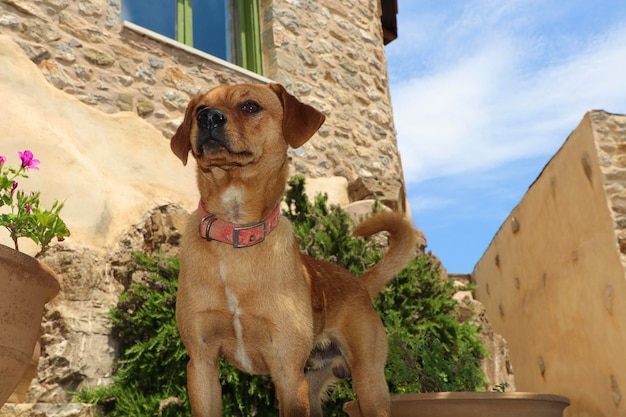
484,92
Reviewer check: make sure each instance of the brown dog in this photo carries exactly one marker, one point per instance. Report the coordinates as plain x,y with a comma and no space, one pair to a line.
245,291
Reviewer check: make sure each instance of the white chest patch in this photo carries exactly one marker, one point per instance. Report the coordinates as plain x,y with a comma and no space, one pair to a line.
232,199
233,306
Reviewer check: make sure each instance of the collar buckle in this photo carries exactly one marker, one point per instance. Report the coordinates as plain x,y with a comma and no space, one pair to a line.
256,235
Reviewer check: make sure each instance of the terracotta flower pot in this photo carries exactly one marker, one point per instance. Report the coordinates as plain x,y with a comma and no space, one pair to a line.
26,285
472,404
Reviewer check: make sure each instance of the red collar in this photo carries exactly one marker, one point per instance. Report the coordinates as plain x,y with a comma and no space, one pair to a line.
212,228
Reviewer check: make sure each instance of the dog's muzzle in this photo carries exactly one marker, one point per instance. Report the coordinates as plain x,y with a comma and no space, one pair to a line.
210,118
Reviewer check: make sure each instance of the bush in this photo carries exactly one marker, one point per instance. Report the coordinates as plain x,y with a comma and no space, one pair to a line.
429,350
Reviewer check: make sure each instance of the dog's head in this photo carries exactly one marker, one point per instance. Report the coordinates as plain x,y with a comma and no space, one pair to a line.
235,125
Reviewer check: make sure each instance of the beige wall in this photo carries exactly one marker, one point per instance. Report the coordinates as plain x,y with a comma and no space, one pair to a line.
553,283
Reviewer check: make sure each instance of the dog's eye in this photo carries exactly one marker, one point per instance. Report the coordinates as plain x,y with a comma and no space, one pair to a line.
250,106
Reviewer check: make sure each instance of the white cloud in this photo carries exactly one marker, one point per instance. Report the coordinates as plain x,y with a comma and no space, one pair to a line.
488,93
419,204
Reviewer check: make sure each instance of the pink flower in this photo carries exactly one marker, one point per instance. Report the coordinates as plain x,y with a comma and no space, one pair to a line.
3,159
13,187
28,209
28,161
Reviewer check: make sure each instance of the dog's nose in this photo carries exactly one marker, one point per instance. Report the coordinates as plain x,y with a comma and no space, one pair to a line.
211,118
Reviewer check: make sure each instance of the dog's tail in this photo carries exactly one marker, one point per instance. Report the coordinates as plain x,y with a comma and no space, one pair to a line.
402,248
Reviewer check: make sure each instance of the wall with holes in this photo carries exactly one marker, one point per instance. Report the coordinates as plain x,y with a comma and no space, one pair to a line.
552,279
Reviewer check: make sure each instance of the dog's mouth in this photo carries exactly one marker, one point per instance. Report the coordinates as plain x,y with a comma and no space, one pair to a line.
213,148
210,141
216,142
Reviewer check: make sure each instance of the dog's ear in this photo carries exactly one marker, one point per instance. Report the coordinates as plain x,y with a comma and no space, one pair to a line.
300,121
181,141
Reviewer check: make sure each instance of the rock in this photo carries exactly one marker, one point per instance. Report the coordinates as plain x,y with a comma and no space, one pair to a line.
146,74
497,365
64,53
83,73
41,33
144,106
81,29
26,8
359,210
389,192
175,100
334,187
55,74
36,53
9,20
97,57
77,349
49,410
159,232
176,78
124,102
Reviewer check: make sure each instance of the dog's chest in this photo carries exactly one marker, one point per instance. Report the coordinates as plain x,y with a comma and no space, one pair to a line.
262,309
236,309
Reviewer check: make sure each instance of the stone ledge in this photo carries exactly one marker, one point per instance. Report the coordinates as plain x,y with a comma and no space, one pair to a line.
140,30
49,410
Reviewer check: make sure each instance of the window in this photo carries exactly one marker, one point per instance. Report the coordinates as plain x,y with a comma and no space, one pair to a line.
228,29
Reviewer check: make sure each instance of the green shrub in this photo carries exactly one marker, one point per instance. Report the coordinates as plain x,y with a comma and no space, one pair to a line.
429,350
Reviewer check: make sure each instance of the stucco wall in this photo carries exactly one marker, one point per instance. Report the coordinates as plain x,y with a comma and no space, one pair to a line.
553,284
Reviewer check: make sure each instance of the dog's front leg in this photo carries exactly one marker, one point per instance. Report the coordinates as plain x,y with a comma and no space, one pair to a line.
287,369
292,390
205,390
199,337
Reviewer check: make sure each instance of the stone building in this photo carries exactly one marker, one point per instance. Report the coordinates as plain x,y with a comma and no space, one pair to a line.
96,99
330,55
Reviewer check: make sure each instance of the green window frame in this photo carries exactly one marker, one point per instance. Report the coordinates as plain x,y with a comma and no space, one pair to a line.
250,35
246,33
242,35
184,22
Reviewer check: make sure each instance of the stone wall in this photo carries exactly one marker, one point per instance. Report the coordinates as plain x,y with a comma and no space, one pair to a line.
78,350
552,279
331,56
84,49
610,139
